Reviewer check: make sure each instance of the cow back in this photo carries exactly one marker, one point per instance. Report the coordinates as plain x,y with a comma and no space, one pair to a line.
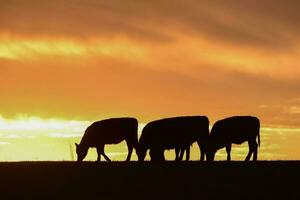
236,129
111,131
173,132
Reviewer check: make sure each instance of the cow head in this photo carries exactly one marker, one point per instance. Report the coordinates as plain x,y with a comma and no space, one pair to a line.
81,152
141,152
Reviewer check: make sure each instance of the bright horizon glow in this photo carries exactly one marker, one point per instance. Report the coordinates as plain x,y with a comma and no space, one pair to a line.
14,132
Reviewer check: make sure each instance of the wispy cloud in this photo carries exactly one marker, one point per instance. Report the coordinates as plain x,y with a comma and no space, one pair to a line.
270,23
16,48
4,143
293,109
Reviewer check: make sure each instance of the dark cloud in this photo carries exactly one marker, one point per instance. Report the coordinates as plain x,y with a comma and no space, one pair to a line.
270,24
72,19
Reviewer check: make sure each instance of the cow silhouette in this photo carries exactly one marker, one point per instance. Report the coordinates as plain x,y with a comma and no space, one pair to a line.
173,133
108,131
234,130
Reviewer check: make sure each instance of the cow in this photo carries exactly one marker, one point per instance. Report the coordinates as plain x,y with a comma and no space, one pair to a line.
234,130
173,133
108,131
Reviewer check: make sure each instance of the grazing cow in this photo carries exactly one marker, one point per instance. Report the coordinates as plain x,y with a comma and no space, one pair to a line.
234,130
173,133
108,131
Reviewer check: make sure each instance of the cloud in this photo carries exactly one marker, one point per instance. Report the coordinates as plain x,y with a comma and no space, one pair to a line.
186,36
293,109
68,18
270,24
15,48
4,143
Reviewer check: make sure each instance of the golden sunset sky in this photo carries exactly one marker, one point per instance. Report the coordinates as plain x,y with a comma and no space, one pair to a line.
67,63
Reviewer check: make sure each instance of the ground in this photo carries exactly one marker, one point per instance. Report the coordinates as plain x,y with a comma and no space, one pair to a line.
133,180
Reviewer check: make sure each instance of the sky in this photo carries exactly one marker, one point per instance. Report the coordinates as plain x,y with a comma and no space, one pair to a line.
65,64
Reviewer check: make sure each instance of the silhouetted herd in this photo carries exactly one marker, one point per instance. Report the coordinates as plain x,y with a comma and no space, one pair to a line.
177,133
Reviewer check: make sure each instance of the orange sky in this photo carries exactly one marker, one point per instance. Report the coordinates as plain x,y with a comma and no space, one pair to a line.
88,60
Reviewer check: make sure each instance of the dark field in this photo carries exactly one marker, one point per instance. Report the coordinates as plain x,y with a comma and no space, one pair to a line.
170,180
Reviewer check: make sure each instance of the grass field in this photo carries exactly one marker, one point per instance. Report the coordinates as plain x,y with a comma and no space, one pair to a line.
170,180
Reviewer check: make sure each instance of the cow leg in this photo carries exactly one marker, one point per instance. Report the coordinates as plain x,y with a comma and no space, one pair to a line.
187,151
103,154
202,151
130,148
177,151
250,144
157,155
161,155
153,156
181,153
106,158
228,150
98,154
254,147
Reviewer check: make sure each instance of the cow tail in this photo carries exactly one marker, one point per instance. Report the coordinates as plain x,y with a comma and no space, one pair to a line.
136,140
258,136
258,139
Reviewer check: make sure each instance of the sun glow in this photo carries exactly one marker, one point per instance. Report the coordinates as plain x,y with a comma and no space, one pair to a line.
35,126
34,138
